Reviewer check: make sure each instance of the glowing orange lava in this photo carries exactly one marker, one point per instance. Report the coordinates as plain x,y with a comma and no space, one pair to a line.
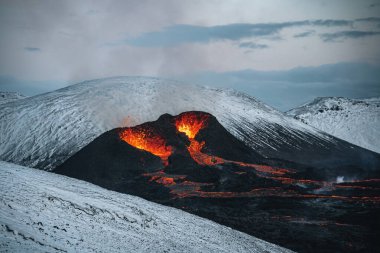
165,180
190,123
149,139
202,158
146,139
264,168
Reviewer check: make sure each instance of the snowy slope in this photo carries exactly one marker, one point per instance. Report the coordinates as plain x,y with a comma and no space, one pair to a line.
46,212
353,120
6,97
44,130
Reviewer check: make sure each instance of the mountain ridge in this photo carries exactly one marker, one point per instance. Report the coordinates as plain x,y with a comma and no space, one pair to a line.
44,130
354,120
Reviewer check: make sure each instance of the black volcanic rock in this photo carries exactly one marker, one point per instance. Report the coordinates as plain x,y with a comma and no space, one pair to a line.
219,142
295,206
112,163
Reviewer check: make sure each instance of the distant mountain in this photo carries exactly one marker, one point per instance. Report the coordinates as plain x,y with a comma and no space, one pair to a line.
46,212
6,97
45,130
353,120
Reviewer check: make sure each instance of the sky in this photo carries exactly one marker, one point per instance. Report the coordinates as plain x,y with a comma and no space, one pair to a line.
252,46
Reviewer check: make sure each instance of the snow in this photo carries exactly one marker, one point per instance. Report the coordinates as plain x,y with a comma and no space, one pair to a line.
46,212
6,97
353,120
44,130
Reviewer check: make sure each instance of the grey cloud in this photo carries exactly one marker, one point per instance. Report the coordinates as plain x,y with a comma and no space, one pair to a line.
342,35
289,88
304,34
69,33
370,19
330,22
374,5
252,45
32,49
373,20
180,34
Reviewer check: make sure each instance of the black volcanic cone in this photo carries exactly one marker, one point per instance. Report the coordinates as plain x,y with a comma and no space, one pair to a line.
114,164
220,142
284,203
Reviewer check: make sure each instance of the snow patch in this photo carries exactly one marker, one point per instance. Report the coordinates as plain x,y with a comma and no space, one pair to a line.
340,179
46,212
353,120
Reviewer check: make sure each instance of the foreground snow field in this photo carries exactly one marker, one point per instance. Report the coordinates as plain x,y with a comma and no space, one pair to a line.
45,212
44,130
6,97
353,120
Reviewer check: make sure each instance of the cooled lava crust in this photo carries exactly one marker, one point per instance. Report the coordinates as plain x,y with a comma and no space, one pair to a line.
190,161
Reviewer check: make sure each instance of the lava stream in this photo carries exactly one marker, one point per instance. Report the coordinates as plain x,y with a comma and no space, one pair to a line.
190,124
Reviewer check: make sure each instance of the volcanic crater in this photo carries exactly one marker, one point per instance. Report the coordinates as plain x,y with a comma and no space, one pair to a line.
190,161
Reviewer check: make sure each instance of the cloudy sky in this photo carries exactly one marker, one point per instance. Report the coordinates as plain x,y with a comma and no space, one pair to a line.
284,52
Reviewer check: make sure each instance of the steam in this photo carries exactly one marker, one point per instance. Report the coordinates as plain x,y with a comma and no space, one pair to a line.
346,179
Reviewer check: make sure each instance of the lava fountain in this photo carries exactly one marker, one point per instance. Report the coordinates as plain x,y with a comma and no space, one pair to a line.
190,124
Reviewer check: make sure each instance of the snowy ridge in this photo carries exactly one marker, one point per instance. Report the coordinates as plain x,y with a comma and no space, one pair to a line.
353,120
44,130
46,212
6,97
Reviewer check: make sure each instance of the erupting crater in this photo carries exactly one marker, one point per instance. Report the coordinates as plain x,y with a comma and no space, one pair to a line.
146,138
190,123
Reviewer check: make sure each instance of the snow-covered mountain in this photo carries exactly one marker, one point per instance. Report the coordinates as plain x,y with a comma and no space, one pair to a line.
44,130
353,120
46,212
6,97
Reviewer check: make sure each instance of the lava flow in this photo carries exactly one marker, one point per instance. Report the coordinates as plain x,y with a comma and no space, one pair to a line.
147,139
190,124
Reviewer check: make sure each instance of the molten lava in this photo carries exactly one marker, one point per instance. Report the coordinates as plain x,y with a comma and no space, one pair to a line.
147,139
190,123
195,148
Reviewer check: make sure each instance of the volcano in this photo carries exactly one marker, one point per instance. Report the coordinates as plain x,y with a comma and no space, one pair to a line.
190,161
75,115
